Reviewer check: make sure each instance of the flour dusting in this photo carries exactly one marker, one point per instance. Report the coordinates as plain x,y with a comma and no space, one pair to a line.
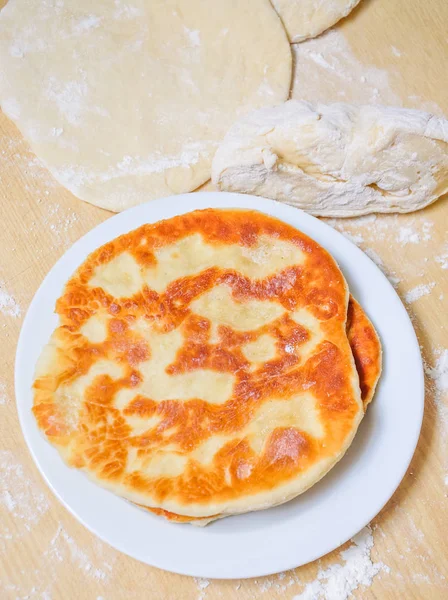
86,23
194,36
442,260
64,548
280,582
74,177
202,586
56,218
3,395
438,374
355,238
69,97
17,156
357,230
18,494
418,292
408,235
415,232
390,228
339,581
8,305
375,257
326,70
59,220
125,10
136,165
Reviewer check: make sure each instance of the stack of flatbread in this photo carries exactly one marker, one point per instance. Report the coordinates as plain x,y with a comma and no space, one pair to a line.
207,365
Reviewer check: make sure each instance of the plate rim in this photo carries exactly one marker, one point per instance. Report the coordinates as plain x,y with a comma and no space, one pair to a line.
196,201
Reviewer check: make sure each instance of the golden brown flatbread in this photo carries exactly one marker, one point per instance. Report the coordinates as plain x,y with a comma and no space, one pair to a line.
201,365
366,348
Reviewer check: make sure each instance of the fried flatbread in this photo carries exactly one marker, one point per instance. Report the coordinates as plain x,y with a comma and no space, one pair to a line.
202,366
366,348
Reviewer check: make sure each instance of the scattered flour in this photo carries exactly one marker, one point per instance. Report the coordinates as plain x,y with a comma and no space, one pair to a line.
375,257
56,218
202,586
338,582
16,156
426,230
280,582
393,279
194,35
86,23
415,536
355,238
387,228
8,304
438,374
408,235
326,70
3,396
126,11
156,163
18,495
415,543
59,220
70,98
22,506
63,548
59,553
418,292
443,260
390,230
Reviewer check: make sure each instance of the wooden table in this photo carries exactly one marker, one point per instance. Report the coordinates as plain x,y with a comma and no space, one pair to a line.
386,51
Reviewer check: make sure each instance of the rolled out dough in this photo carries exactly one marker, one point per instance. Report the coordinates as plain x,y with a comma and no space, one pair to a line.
305,19
126,100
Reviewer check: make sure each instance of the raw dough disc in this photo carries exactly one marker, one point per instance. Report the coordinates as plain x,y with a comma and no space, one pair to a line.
305,19
126,101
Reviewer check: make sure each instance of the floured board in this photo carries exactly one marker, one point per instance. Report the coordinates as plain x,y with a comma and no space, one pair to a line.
44,551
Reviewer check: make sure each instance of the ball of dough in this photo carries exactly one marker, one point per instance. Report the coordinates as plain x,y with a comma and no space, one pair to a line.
126,100
337,160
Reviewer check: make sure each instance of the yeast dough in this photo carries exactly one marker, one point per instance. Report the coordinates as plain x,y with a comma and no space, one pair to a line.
337,160
126,100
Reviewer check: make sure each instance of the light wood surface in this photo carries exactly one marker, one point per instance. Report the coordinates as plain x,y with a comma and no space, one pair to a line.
44,552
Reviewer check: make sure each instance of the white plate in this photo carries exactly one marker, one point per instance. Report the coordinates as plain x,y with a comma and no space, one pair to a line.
280,538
